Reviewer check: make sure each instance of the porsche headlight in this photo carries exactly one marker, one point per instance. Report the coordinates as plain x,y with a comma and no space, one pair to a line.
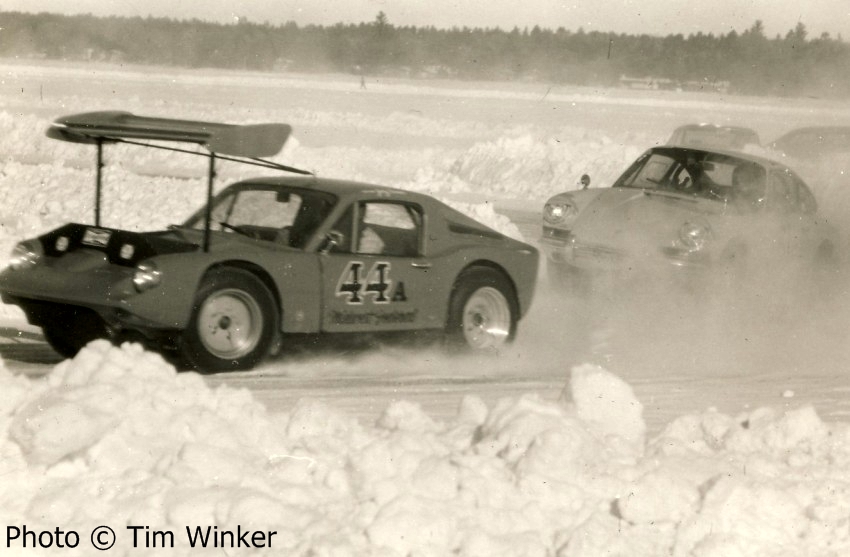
557,212
147,276
25,255
694,235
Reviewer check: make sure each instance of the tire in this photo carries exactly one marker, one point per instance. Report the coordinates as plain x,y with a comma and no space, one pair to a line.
73,328
482,311
233,324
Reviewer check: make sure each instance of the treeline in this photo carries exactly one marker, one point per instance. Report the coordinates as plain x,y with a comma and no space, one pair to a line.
750,62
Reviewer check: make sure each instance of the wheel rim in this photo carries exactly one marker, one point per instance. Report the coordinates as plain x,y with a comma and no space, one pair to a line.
486,318
230,324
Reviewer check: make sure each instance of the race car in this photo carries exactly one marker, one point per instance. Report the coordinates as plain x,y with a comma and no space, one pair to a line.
815,143
821,155
713,136
266,258
687,209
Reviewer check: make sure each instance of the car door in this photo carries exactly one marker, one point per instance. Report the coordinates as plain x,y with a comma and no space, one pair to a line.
373,277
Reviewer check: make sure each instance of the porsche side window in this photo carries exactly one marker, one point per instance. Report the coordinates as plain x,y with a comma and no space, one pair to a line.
792,195
389,229
808,204
782,198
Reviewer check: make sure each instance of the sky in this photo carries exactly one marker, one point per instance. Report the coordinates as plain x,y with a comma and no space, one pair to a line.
654,17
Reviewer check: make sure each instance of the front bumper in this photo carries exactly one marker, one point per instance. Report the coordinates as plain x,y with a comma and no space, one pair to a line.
43,290
562,247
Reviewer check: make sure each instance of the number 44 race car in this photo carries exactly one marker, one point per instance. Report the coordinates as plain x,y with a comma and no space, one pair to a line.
266,258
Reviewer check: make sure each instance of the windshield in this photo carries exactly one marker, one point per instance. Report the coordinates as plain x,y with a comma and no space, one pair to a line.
274,213
698,173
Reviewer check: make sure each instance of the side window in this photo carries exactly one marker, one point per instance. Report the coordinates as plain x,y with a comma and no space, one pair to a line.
808,204
785,193
801,198
389,229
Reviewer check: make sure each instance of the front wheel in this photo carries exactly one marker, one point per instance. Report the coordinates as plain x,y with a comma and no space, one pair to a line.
233,323
482,310
70,330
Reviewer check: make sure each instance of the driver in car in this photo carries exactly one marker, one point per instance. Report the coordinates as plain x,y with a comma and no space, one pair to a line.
749,186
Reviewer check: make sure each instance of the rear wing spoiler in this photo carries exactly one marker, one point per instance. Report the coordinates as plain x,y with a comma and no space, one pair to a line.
250,141
248,144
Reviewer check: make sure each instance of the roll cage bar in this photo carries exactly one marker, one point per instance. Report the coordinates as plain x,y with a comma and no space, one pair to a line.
246,144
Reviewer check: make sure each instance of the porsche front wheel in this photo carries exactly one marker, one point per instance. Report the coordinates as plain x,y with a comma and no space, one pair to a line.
482,310
233,322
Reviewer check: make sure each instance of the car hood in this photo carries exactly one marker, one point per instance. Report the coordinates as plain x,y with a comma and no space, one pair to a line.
119,247
635,220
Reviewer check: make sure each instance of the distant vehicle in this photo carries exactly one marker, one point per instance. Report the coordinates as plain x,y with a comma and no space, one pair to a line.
266,258
682,208
813,142
712,136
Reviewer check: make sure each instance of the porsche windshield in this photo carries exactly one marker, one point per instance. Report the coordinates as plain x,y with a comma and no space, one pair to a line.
697,173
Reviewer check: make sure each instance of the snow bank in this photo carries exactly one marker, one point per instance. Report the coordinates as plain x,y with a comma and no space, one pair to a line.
531,165
116,437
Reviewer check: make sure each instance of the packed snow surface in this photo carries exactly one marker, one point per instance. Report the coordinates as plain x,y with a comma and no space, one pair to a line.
116,437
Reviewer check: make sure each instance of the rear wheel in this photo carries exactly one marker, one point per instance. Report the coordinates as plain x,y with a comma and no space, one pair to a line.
70,329
233,323
482,311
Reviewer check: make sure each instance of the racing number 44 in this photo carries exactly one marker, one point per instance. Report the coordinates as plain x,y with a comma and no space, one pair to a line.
375,284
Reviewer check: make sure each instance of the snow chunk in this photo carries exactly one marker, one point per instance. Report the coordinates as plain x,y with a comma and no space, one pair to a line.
52,427
607,404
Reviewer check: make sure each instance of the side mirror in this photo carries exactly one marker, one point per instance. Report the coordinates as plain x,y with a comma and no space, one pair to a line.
332,239
585,181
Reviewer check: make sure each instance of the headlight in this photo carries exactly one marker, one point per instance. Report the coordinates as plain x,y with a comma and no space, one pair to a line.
147,276
25,255
559,211
694,235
